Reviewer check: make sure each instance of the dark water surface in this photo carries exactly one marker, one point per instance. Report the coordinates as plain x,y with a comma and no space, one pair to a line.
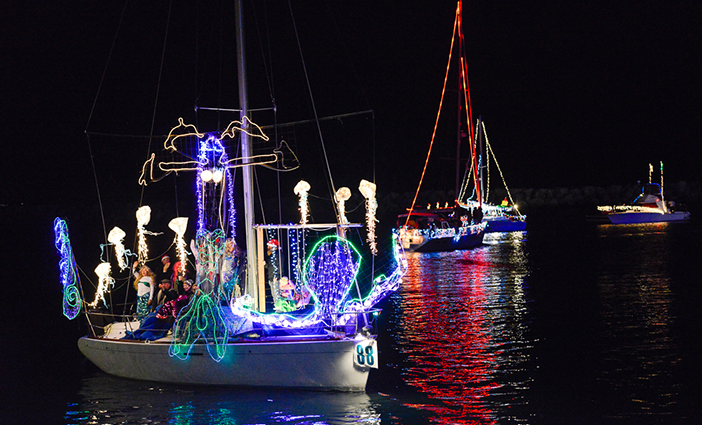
570,323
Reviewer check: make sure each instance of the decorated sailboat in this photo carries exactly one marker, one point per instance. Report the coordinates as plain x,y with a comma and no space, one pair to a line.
295,306
454,226
502,217
649,207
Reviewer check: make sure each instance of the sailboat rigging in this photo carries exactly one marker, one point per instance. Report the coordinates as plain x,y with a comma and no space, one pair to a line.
502,217
451,227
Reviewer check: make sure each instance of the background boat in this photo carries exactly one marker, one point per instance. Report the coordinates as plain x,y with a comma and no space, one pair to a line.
649,207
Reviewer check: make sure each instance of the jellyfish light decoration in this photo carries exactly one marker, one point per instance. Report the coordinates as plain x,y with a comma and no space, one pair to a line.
143,216
115,237
301,189
342,195
105,283
368,191
178,225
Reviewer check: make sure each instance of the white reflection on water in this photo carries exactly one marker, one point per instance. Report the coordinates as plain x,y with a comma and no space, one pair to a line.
639,352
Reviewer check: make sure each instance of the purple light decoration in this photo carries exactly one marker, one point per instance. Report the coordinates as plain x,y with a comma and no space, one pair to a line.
213,156
330,272
72,300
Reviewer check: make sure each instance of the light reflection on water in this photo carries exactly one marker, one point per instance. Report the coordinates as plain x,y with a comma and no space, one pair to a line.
109,400
578,324
461,319
639,351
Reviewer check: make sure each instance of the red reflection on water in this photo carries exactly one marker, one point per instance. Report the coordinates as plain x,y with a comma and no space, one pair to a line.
448,330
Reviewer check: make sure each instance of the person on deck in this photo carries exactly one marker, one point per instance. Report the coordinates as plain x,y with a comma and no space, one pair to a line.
165,271
165,292
145,284
180,274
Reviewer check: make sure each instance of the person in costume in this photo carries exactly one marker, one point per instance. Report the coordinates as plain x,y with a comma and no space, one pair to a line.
145,284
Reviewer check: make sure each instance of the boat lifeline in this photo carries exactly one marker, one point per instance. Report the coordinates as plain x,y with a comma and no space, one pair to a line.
294,306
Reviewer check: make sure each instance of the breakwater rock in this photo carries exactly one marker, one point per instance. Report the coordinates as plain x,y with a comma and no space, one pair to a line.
684,194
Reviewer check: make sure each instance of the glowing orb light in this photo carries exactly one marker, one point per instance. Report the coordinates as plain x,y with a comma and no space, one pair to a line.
206,175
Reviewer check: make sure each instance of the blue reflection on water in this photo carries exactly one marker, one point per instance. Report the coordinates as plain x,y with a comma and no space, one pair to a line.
106,399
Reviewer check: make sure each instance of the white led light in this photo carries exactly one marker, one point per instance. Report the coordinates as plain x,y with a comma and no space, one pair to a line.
217,176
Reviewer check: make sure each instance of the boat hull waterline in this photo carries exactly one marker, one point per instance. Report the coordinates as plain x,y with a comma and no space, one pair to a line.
504,224
647,217
309,364
438,244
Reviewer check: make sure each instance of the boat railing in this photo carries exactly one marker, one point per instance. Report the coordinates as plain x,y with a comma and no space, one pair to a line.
99,322
355,322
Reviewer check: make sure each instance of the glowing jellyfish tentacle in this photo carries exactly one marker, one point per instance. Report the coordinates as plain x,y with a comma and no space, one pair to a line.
179,225
382,286
143,216
105,283
301,189
115,237
201,318
342,195
72,301
368,190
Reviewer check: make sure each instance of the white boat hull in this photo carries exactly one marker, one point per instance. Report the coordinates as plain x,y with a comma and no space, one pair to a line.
647,217
312,364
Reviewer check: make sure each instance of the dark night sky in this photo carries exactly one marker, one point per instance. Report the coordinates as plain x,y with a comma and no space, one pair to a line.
573,93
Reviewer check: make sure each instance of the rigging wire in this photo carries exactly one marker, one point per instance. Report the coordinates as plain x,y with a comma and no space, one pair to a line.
330,182
438,115
158,90
90,116
363,92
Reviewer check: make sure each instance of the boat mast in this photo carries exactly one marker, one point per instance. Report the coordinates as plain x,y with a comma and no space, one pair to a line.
458,135
482,162
251,257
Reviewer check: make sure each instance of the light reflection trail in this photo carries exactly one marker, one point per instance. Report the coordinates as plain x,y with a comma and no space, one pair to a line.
638,353
462,323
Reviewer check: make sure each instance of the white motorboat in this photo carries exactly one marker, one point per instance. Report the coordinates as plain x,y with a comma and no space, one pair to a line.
649,207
